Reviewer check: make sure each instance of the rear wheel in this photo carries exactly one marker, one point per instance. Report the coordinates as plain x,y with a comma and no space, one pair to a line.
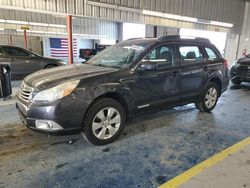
104,121
236,82
209,98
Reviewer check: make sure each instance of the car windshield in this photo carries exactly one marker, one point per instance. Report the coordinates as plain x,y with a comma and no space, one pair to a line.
118,56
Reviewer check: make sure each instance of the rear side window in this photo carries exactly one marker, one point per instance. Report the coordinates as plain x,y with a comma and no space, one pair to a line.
190,54
12,51
211,54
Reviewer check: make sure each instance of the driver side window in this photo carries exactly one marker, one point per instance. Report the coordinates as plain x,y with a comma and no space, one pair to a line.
17,52
162,56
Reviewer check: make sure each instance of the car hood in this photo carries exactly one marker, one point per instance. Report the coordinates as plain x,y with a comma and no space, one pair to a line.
244,61
50,77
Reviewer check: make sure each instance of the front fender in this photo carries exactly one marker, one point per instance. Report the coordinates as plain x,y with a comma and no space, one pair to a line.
94,92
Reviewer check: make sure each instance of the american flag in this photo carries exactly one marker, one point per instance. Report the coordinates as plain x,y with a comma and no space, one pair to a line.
59,47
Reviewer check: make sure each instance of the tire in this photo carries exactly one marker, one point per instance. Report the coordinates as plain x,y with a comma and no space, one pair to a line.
209,98
99,128
235,82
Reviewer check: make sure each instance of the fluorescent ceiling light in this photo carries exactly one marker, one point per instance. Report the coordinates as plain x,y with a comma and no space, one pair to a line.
169,16
53,32
223,24
60,33
38,24
32,23
1,29
32,31
185,18
57,25
17,22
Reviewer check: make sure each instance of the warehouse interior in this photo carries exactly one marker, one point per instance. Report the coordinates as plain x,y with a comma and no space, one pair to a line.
176,146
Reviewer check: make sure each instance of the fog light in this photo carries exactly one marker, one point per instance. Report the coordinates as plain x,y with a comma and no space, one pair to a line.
47,125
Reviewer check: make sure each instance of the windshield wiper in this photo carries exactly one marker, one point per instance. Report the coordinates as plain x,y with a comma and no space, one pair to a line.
109,66
101,65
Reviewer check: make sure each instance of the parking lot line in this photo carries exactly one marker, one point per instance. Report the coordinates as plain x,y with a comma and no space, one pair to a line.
187,175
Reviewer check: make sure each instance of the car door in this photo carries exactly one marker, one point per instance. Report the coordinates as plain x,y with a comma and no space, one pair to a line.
156,79
22,61
193,68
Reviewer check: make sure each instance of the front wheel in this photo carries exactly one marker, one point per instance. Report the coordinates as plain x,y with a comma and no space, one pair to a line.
209,98
104,121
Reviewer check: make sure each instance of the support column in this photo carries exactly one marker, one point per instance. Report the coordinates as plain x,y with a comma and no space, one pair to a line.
11,40
70,39
25,39
155,32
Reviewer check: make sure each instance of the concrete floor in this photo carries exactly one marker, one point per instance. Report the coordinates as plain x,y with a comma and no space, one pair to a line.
232,172
153,148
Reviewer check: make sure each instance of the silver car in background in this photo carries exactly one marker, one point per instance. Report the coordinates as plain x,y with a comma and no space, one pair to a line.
24,62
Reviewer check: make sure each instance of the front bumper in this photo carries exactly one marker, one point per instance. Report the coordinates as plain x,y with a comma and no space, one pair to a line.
64,115
237,75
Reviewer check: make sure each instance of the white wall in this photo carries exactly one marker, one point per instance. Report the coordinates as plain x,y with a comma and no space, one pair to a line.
131,30
85,43
161,31
231,48
217,38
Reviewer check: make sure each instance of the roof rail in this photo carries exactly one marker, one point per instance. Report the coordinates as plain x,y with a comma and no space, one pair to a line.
140,38
178,37
134,38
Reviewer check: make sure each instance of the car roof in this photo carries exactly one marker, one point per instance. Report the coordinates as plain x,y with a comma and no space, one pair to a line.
171,38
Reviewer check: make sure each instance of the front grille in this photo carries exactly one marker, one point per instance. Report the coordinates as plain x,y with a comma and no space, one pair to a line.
243,68
25,92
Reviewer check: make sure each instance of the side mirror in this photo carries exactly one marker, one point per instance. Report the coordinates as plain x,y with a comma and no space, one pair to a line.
148,65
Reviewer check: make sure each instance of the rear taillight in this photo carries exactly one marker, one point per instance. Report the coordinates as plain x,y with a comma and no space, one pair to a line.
225,63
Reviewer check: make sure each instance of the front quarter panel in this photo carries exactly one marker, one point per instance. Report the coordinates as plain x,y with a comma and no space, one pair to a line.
94,92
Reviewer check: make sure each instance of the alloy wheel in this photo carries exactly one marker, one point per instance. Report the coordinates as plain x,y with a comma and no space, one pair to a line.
106,123
211,97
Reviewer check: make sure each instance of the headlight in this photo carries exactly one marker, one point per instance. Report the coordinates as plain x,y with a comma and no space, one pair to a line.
56,92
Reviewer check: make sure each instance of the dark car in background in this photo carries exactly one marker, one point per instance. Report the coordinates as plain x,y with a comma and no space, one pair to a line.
240,71
123,80
24,62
